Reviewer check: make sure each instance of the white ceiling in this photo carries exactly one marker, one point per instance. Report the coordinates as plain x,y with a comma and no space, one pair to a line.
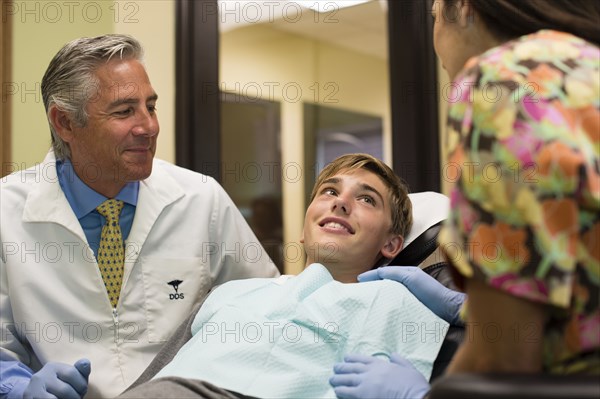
362,28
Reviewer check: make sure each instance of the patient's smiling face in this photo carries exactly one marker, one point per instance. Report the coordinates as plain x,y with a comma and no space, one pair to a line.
347,225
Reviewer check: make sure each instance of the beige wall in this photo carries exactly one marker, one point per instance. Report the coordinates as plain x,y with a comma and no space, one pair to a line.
444,87
39,31
260,61
42,28
152,22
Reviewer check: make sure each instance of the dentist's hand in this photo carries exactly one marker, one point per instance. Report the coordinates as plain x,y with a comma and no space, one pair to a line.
367,377
59,380
442,301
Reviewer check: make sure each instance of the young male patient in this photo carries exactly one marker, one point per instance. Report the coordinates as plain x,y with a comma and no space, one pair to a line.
280,337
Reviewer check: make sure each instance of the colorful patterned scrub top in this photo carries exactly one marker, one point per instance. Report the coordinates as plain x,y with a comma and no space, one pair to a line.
524,139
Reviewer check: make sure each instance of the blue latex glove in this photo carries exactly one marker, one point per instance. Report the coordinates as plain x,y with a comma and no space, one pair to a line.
442,301
367,377
59,380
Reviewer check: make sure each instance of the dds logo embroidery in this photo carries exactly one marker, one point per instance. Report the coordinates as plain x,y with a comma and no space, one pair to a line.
175,285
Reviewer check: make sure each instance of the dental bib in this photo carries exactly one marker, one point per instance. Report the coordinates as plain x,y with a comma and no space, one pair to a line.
279,338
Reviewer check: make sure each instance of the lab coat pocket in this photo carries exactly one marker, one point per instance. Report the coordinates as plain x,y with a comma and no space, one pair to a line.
171,288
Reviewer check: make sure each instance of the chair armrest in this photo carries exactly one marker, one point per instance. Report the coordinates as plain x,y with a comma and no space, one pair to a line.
523,386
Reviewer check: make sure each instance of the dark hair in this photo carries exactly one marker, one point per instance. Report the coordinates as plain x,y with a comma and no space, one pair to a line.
509,19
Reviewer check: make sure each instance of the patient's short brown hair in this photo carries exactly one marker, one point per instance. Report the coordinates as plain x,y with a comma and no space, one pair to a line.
398,191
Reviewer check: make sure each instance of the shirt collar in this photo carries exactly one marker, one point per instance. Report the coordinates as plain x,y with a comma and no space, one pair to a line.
82,198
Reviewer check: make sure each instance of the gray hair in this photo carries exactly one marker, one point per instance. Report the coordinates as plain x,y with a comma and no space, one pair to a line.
70,81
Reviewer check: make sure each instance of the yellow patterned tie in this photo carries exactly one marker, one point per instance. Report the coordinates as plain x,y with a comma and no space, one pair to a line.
111,254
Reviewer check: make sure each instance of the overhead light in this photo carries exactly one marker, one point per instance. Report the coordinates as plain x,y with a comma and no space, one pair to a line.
234,14
328,5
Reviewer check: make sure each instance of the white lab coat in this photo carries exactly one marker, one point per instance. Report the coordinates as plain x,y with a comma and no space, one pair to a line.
53,303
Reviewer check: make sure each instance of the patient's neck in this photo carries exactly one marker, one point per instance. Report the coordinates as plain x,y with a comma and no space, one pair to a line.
349,278
342,273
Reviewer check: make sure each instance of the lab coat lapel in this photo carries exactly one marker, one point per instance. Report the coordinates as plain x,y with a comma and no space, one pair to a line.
46,202
156,192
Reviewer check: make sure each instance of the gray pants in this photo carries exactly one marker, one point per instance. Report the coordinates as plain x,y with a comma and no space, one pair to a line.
176,387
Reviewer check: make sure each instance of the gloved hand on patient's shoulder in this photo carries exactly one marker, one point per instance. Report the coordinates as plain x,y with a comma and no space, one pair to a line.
442,301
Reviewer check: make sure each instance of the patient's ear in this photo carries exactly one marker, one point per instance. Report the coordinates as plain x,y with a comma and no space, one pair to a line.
392,246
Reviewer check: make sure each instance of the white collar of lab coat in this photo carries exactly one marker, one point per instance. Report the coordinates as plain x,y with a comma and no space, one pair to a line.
47,202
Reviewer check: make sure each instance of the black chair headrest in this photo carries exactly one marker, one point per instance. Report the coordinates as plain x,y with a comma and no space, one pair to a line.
419,249
429,210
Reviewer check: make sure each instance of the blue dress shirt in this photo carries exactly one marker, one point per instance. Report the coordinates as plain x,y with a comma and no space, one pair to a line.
84,200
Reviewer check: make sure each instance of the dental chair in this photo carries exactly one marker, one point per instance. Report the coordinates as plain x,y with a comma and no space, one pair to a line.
430,209
522,386
421,250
